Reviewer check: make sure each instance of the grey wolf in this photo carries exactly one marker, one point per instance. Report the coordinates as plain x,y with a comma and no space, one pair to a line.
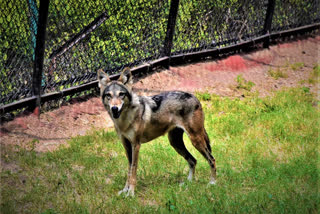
140,119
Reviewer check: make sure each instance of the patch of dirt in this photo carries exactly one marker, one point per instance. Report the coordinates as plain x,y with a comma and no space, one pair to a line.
54,128
219,76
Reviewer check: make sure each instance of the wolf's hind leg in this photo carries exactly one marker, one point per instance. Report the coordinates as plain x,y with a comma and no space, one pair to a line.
201,142
176,141
194,126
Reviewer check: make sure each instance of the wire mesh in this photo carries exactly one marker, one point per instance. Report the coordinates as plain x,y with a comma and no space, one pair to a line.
17,41
289,14
125,38
208,24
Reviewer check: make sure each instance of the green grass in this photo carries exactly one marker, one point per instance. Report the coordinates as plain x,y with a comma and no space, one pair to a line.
244,84
278,73
267,159
297,66
281,72
314,76
316,71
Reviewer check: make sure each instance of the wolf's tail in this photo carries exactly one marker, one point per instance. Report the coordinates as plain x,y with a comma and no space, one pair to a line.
206,137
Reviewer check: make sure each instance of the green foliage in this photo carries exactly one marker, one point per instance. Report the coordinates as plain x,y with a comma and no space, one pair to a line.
15,46
244,84
134,33
281,72
314,77
278,73
135,30
126,36
15,35
304,12
203,96
202,23
265,148
316,71
296,66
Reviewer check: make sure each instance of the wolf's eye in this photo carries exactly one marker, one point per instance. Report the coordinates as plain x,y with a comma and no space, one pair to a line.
108,96
121,94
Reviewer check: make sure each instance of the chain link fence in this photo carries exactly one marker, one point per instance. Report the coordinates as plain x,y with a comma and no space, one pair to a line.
83,36
16,51
208,24
290,14
123,38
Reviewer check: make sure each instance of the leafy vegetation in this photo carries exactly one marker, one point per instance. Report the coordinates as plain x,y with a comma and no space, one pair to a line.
134,33
244,84
316,72
296,66
304,12
314,77
265,148
278,73
281,72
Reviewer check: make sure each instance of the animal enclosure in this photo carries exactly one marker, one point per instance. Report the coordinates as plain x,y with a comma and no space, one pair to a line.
50,50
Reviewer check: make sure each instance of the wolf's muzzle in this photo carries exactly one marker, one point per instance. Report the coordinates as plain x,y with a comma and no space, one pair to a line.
115,112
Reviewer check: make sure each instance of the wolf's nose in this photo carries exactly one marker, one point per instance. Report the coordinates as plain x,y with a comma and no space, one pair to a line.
115,112
114,109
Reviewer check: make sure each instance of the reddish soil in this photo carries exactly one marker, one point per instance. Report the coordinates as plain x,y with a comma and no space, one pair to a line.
217,76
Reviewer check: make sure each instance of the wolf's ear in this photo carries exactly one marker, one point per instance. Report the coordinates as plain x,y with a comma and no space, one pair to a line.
103,78
126,77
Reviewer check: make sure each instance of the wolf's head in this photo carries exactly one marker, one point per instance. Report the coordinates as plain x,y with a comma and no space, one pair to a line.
116,95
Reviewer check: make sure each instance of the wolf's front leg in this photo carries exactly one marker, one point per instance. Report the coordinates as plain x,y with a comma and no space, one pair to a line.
127,146
132,174
133,170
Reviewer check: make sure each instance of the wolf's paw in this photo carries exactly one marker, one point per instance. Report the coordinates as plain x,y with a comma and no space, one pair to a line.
127,191
130,193
212,182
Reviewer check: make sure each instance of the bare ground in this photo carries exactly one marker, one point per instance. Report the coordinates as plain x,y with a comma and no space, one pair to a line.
296,59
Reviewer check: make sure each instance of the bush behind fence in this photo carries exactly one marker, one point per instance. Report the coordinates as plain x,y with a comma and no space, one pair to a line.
83,36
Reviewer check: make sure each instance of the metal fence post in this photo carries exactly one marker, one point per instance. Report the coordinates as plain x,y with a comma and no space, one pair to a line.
170,28
39,54
32,5
268,21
